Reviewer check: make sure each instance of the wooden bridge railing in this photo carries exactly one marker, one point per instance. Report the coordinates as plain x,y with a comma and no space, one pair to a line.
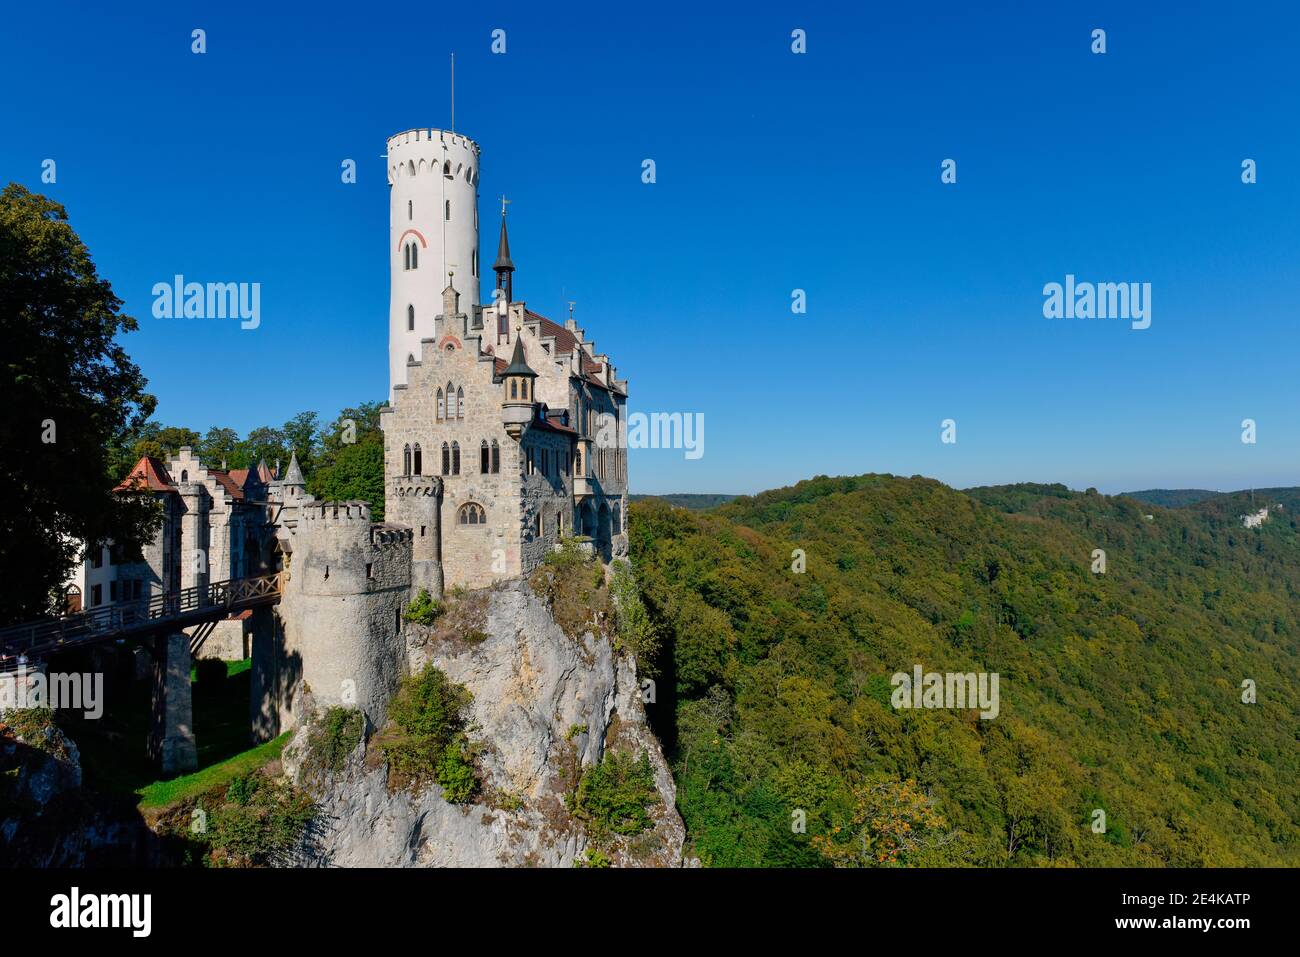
186,607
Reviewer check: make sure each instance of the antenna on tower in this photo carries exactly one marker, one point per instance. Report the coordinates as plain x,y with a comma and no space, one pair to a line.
453,93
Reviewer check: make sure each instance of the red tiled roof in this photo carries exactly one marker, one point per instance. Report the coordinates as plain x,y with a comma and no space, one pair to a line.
149,474
239,476
226,481
548,425
565,341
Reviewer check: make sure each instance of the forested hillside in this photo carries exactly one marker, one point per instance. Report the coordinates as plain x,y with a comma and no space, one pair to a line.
1120,692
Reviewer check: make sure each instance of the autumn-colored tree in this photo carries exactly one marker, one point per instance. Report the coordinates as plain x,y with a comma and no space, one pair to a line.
892,823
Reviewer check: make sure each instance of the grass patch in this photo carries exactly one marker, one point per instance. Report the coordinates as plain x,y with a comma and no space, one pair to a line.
162,793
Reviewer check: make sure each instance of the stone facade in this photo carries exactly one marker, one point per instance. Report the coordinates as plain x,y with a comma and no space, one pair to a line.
516,476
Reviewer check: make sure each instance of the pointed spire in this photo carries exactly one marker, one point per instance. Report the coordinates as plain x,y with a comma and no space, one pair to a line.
504,267
518,365
294,475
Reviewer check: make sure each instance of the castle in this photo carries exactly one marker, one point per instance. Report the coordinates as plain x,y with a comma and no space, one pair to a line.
490,436
490,459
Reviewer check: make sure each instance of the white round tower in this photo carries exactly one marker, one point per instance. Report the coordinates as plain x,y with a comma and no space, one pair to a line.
433,230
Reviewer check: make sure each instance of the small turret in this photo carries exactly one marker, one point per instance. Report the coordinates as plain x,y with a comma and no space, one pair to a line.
517,391
294,484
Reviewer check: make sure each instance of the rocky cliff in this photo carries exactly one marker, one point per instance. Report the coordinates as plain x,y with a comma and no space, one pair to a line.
546,706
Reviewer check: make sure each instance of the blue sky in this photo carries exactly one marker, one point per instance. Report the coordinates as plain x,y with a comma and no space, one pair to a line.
775,171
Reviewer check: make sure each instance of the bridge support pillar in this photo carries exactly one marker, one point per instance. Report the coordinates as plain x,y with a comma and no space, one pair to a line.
171,733
268,676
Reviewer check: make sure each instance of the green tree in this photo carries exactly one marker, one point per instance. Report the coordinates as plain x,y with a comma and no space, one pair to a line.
353,472
70,396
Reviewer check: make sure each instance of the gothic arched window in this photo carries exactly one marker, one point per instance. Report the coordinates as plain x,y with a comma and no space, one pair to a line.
471,514
447,211
406,459
496,457
418,460
460,403
406,256
484,458
441,402
410,209
451,402
514,388
446,459
455,458
410,318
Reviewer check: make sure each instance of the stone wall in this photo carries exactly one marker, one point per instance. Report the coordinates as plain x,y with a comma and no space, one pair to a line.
347,587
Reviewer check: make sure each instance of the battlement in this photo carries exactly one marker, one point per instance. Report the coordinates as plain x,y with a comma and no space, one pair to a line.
432,136
384,534
413,486
334,513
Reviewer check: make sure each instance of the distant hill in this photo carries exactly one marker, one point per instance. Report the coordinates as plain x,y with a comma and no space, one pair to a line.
1173,497
695,502
1120,692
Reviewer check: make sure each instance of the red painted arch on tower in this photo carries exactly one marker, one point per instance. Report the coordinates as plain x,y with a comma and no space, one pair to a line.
423,243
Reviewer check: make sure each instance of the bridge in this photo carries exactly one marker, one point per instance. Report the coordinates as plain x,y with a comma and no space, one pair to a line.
159,624
146,618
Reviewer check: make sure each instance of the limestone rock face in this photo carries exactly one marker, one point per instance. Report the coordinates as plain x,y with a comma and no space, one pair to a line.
544,706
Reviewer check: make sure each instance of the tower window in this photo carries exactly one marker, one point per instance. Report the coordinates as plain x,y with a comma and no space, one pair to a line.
460,403
455,458
415,256
410,318
496,457
406,460
418,459
441,404
447,211
471,514
451,402
484,458
514,388
410,209
446,459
